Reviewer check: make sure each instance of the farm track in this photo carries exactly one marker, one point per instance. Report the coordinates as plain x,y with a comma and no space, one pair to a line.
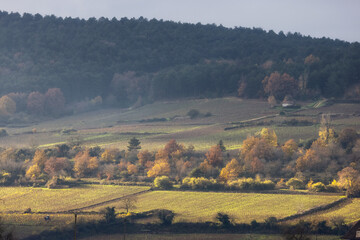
106,202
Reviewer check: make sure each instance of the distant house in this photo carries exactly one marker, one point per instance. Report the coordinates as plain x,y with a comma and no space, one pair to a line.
353,233
287,104
288,101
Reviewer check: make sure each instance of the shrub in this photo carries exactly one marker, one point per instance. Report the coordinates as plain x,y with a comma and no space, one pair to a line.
224,219
295,183
251,184
3,133
318,187
109,214
163,182
166,216
193,113
200,183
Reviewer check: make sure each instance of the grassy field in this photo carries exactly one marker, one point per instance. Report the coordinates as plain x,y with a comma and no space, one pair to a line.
199,237
242,207
18,199
114,127
188,206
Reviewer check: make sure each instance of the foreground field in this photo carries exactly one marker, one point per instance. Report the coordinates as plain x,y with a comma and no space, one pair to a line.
242,207
199,237
188,206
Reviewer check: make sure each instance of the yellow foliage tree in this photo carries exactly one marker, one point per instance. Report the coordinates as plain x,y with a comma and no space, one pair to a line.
160,168
230,171
132,169
326,136
33,172
40,158
269,136
289,148
110,155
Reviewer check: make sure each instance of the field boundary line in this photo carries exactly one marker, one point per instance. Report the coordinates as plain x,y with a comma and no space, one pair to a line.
316,209
108,201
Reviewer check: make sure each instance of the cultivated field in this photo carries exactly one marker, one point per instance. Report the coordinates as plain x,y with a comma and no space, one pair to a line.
18,199
199,237
242,207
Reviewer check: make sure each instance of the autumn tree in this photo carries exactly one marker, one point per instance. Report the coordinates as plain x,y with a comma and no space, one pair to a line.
36,103
109,170
20,99
242,89
7,106
54,102
132,169
172,146
272,101
269,136
347,139
57,166
144,156
161,168
40,158
110,155
33,172
348,177
230,171
85,164
214,156
279,85
289,148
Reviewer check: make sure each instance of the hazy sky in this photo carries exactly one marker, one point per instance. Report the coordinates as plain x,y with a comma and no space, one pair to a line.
330,18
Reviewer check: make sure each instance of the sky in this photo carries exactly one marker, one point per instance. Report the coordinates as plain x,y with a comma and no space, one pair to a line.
336,19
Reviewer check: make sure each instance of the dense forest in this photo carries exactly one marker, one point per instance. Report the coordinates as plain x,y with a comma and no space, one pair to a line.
137,60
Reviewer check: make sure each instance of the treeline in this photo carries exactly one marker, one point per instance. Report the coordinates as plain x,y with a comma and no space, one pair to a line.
261,164
130,61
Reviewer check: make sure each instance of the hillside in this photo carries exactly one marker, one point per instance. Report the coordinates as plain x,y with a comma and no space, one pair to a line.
130,60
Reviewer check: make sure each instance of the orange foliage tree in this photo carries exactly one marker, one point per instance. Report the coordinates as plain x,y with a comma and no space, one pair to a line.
85,164
280,85
36,103
289,148
214,156
54,101
230,171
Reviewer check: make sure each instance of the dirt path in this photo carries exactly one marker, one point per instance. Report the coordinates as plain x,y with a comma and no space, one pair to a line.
108,201
316,210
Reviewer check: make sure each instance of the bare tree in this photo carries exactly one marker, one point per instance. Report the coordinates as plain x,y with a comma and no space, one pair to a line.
128,203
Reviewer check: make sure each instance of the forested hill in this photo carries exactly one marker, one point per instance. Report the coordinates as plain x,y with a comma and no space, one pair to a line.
127,58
